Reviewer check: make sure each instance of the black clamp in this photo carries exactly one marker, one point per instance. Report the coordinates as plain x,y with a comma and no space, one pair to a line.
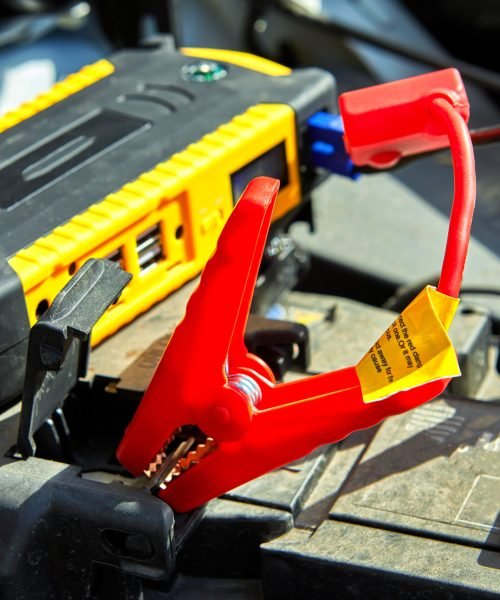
59,344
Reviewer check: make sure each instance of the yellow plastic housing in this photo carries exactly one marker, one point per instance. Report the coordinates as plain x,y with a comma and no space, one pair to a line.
175,211
59,91
239,59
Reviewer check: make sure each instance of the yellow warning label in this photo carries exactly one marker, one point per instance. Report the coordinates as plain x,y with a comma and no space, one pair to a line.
414,350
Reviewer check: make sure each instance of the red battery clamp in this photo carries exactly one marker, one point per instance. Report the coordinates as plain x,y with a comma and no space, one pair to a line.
213,417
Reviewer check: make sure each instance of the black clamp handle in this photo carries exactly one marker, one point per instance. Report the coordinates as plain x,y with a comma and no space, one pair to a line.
59,343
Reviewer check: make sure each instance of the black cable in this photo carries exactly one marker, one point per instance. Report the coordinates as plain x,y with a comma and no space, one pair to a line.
477,291
484,77
485,135
406,293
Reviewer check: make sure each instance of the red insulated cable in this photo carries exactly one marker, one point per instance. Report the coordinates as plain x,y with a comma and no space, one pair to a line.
464,177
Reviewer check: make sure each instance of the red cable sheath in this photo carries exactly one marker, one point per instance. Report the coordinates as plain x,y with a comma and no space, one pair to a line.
462,210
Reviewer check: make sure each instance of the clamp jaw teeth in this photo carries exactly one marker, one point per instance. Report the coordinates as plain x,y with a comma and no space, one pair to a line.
155,464
193,457
183,451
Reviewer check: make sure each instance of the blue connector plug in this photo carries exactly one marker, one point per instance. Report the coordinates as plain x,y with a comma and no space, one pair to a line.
326,144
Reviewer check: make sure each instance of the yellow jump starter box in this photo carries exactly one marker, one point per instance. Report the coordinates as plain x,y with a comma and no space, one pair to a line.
140,159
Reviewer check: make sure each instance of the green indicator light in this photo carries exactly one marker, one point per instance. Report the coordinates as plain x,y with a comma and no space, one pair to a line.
204,70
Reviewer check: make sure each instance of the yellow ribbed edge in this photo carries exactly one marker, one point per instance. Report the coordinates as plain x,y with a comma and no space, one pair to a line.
59,91
191,190
239,59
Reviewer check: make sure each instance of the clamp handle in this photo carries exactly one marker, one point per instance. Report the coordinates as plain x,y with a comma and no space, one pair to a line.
191,384
207,378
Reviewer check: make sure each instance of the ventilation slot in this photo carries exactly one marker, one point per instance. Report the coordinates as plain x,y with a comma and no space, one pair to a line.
116,256
149,249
